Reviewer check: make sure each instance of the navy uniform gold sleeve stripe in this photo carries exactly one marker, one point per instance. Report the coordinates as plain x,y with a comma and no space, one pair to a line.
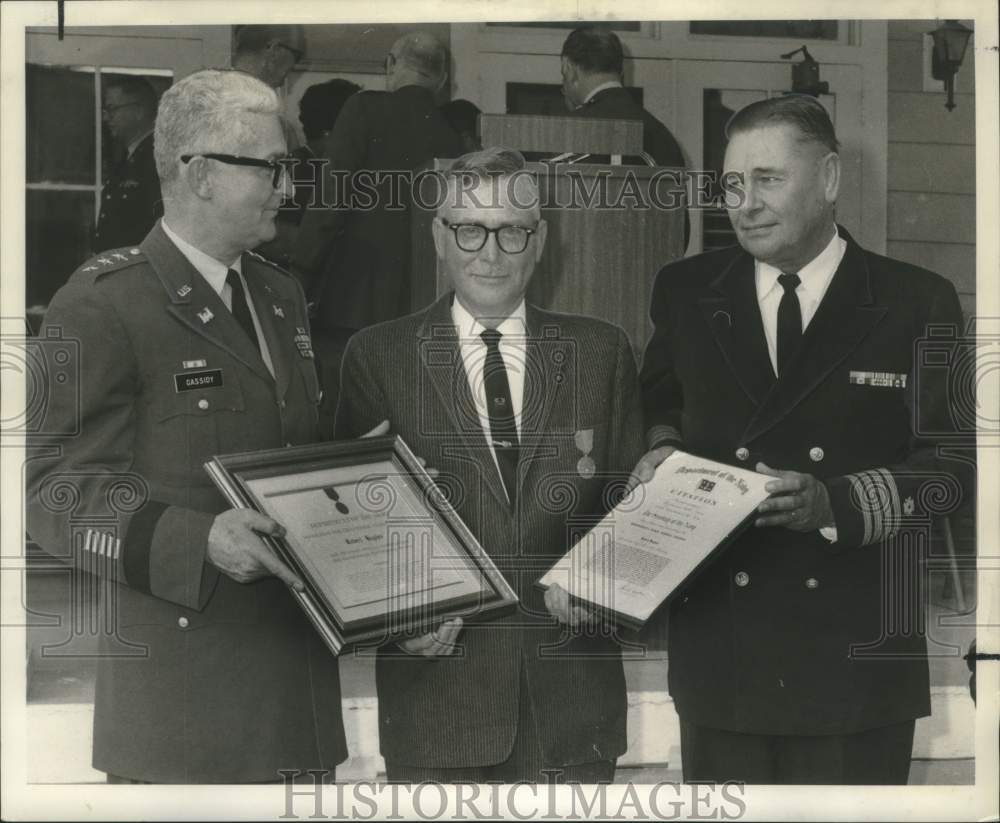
866,505
139,542
662,435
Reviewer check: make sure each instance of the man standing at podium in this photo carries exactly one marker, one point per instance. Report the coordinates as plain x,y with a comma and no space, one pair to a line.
799,655
593,65
533,420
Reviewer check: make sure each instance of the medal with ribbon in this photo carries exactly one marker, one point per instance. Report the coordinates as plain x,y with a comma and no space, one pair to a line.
584,440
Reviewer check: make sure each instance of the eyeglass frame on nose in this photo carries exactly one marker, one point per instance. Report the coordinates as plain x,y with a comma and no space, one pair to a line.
487,231
107,111
277,167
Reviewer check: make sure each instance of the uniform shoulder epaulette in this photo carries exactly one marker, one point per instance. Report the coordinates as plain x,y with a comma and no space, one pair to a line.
270,263
113,260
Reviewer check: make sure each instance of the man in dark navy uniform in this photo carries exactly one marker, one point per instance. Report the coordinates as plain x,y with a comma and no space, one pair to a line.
130,198
799,656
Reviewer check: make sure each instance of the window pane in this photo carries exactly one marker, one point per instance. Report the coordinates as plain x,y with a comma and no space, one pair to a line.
617,25
797,29
59,224
60,123
718,105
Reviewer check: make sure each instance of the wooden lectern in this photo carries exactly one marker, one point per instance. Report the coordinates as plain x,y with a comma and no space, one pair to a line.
557,135
610,228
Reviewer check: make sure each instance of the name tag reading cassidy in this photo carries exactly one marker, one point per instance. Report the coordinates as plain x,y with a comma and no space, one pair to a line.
658,536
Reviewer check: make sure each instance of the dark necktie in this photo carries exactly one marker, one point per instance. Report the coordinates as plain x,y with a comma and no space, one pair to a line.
789,320
241,311
503,429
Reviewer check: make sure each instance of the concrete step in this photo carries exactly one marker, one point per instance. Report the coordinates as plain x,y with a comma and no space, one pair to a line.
59,744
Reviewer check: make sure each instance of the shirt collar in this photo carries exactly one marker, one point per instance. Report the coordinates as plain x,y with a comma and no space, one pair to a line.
206,265
135,143
514,325
611,84
815,275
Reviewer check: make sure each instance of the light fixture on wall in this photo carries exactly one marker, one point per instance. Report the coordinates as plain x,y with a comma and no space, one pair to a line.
950,40
805,74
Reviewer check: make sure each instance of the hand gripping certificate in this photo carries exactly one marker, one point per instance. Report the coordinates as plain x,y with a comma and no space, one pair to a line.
658,536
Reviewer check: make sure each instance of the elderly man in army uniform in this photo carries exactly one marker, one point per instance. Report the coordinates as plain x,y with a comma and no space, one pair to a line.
191,347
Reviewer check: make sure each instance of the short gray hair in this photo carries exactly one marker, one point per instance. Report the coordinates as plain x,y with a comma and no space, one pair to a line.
203,113
489,165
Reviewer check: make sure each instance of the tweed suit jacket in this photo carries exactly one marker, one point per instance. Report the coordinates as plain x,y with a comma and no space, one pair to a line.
657,140
201,678
787,633
355,259
581,396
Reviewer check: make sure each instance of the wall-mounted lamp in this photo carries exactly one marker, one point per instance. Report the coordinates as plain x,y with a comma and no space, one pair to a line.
950,40
805,74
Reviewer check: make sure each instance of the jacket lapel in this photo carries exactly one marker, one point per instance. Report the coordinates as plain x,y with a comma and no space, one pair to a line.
194,302
733,316
276,314
844,318
547,358
441,361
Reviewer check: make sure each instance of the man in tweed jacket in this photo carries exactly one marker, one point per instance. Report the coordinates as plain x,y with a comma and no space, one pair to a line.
529,454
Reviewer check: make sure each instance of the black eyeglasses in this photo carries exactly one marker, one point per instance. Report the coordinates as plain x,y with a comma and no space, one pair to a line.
473,236
109,110
276,166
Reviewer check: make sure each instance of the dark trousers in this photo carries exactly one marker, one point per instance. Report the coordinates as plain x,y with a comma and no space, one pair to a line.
878,756
525,762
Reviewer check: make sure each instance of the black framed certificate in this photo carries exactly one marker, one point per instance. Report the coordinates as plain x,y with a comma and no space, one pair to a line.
380,550
658,537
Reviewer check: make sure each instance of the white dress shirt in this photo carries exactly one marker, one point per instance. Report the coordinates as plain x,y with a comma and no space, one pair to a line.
815,276
611,84
135,143
215,273
513,350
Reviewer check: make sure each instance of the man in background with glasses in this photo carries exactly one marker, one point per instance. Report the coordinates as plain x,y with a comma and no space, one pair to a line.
130,196
192,347
533,420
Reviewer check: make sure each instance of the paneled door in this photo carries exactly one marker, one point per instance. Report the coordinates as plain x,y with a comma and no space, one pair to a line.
707,92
